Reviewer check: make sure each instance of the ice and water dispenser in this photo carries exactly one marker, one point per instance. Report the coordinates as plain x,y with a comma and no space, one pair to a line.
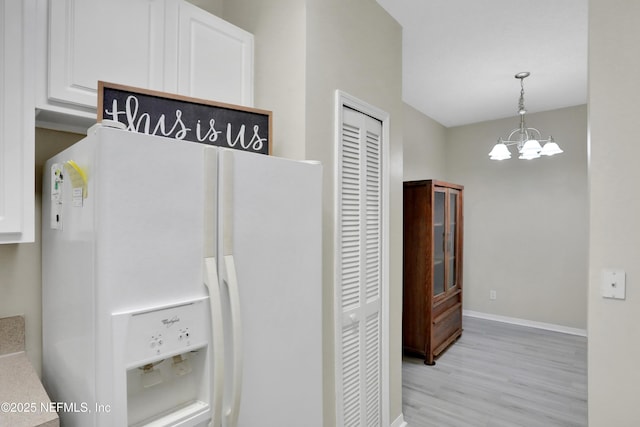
162,361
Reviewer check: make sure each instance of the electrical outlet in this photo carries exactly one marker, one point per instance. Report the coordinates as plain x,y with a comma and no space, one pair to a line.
492,295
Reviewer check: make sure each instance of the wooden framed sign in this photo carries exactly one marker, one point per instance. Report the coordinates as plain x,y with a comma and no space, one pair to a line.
182,117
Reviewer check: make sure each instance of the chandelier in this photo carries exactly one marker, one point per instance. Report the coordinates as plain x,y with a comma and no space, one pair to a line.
527,140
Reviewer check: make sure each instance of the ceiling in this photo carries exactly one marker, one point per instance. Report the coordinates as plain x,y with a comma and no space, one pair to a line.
460,56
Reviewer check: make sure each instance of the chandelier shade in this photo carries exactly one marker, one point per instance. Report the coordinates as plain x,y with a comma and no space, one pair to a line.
550,148
500,152
527,140
531,146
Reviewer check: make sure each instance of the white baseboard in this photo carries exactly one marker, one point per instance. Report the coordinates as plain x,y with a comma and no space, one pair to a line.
525,322
399,422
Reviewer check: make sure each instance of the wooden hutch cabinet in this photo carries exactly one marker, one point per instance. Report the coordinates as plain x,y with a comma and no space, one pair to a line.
432,299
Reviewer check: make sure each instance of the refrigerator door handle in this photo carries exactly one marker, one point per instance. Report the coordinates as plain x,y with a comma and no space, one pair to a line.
231,413
217,341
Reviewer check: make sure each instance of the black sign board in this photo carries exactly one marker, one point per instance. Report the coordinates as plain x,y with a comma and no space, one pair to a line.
181,117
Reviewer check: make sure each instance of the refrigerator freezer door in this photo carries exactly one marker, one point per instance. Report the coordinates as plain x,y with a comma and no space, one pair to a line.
150,198
271,223
133,238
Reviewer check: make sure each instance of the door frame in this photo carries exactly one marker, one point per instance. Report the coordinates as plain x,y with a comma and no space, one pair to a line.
343,99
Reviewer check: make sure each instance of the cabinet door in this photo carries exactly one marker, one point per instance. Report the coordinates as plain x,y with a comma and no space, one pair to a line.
17,191
118,41
453,238
439,240
215,58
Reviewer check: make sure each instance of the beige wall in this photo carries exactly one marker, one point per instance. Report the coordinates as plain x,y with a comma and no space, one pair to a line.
20,264
211,6
279,29
526,222
424,147
614,347
355,46
307,50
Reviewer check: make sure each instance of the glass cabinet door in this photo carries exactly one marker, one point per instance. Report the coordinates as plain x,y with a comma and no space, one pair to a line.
452,238
439,231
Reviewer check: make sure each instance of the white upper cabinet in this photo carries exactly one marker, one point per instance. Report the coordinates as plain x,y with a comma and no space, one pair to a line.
166,45
90,40
215,58
17,192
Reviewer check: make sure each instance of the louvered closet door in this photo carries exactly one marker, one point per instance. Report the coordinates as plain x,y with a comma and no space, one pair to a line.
359,266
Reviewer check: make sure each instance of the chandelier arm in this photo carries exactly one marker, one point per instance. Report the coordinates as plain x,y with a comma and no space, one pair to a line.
539,138
536,131
513,132
527,131
509,143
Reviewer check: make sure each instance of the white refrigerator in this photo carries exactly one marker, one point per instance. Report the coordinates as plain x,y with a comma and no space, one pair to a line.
181,285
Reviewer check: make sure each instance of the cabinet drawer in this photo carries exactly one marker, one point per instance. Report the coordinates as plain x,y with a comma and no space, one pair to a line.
443,305
446,328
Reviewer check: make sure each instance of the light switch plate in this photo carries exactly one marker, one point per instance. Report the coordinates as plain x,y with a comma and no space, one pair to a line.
613,284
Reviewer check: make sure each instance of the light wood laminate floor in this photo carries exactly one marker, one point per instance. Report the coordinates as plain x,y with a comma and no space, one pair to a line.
500,375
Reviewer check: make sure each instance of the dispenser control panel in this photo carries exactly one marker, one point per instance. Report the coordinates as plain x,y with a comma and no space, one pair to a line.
164,331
